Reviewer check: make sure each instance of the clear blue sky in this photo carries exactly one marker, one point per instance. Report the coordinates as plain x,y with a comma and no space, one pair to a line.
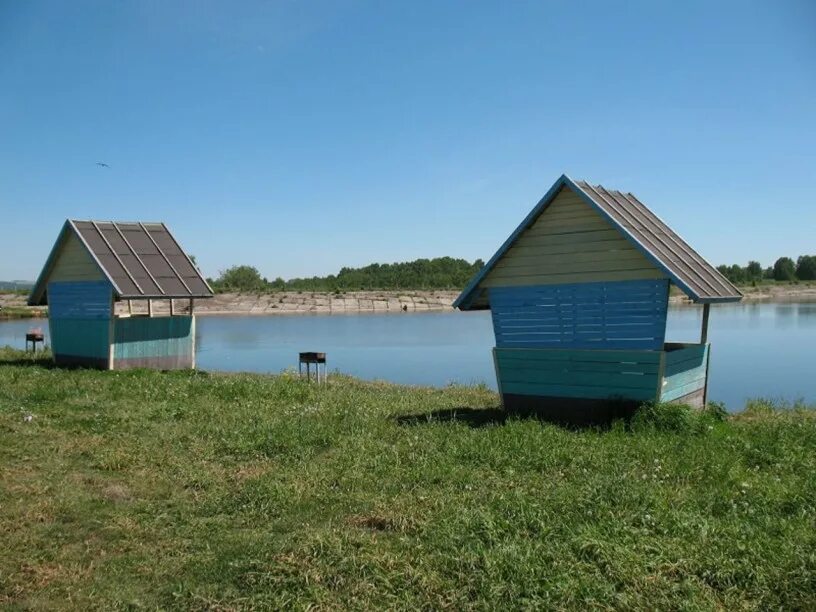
303,136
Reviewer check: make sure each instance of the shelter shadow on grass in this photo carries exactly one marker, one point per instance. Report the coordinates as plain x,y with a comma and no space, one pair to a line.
47,363
472,417
571,415
39,362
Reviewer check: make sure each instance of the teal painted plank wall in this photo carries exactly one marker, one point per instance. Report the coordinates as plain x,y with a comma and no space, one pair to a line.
576,373
685,371
79,319
80,338
165,342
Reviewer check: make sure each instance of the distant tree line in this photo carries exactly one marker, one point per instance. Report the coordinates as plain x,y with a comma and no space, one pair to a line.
784,269
450,273
438,273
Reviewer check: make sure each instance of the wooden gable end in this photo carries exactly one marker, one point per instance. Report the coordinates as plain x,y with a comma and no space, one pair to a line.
74,263
570,242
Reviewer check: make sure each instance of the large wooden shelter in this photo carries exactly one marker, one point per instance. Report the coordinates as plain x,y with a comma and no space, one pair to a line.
579,295
120,295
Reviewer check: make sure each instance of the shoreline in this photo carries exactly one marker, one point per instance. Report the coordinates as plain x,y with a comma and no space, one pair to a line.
370,302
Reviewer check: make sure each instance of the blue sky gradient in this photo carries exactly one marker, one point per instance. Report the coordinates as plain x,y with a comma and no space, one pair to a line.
304,136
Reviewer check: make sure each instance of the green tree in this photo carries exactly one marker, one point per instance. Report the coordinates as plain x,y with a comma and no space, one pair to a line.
784,269
240,278
806,267
754,270
735,273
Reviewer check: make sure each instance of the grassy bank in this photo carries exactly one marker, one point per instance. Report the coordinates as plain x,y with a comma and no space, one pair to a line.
205,491
13,312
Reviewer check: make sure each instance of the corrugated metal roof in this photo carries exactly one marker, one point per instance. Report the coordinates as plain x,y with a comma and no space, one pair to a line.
679,259
141,260
687,269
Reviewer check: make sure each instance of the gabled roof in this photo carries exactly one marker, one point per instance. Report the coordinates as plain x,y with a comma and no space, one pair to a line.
697,278
141,260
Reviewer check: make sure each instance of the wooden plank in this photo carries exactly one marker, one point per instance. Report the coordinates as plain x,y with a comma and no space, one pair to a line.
568,215
509,320
685,366
588,307
540,248
686,378
622,288
692,351
615,343
578,366
556,279
576,391
530,334
574,239
544,267
570,226
622,380
669,395
567,354
527,258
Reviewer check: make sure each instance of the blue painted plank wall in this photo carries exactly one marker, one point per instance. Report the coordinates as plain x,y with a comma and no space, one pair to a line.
577,373
79,300
79,315
607,315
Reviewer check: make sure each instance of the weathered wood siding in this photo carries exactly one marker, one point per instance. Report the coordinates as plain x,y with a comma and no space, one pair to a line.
79,316
606,315
74,263
160,342
685,372
570,242
592,374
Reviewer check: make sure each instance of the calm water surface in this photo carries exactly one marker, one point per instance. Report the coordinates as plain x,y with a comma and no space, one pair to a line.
757,349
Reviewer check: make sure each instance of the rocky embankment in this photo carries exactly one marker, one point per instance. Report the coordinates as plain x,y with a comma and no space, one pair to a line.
293,302
326,303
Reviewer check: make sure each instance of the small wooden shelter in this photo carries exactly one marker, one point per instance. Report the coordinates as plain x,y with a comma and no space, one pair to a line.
120,295
579,295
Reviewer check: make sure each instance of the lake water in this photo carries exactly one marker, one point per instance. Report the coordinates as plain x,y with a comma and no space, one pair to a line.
758,350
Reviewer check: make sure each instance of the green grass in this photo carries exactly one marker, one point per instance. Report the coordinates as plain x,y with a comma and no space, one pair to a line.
196,491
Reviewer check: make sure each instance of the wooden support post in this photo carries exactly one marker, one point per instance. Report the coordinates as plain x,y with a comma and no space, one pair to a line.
149,307
172,312
705,386
704,331
112,335
130,307
193,340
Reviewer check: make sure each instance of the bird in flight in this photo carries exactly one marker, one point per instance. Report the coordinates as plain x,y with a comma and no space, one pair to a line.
102,165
